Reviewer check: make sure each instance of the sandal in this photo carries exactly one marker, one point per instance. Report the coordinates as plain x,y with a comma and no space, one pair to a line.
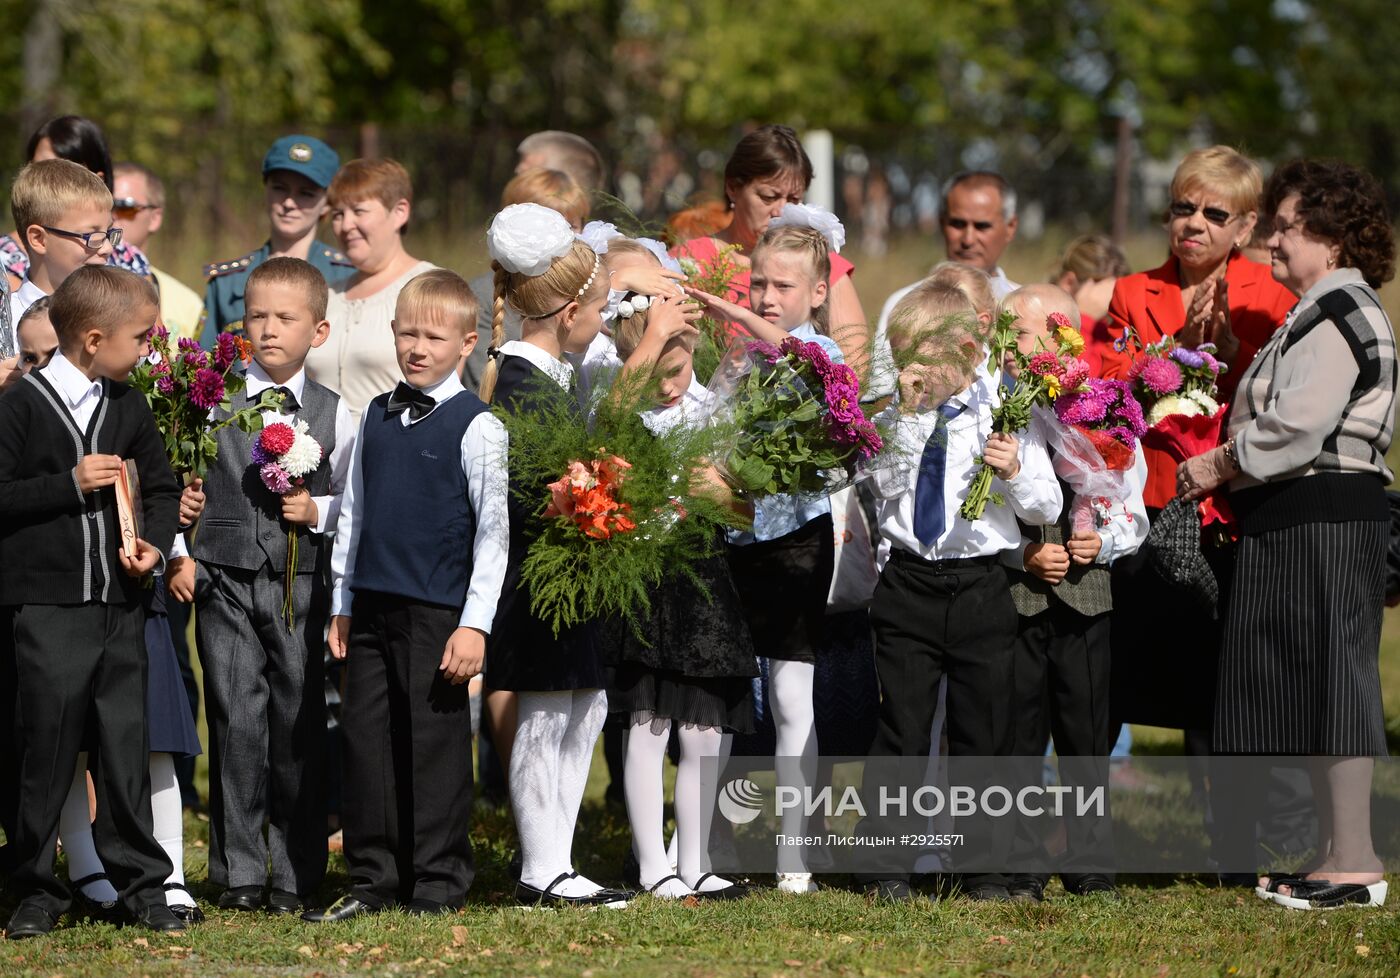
1283,879
734,891
655,888
1326,895
187,913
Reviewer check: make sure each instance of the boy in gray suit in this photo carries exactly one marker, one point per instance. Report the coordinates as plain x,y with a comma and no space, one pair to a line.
262,673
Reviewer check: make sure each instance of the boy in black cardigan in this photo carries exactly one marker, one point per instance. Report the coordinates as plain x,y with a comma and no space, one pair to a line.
78,622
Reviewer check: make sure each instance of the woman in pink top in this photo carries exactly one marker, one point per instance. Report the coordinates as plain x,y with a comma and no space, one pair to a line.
768,169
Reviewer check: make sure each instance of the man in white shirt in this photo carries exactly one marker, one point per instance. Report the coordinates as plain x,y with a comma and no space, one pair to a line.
977,214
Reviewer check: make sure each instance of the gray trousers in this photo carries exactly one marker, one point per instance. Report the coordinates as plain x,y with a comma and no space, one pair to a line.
267,724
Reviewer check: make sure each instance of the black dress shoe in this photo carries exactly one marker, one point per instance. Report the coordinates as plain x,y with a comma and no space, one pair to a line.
29,920
987,893
241,898
427,908
1096,885
188,913
1026,889
280,903
531,896
889,891
343,909
159,918
104,911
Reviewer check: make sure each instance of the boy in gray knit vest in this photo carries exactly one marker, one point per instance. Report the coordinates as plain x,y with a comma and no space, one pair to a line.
1060,585
263,673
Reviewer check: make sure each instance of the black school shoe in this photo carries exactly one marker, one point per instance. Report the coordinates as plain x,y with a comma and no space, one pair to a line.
159,918
29,920
346,908
1094,885
428,908
102,911
281,903
987,893
531,896
1026,889
246,898
888,891
186,913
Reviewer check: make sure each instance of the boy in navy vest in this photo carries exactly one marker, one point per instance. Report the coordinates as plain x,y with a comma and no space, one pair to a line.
263,679
74,598
419,558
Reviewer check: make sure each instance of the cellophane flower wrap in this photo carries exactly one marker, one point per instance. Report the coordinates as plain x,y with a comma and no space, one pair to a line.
1053,370
794,419
1178,389
285,456
191,392
1095,446
609,507
715,276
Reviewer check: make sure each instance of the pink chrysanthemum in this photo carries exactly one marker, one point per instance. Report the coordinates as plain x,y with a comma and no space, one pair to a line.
1158,375
275,478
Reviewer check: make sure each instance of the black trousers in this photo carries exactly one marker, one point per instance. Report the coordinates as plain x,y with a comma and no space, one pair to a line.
81,669
954,619
408,756
1062,685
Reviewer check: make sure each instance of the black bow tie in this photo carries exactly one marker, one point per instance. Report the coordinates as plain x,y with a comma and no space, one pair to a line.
410,399
289,400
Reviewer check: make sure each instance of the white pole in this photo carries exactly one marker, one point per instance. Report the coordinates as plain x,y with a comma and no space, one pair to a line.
820,148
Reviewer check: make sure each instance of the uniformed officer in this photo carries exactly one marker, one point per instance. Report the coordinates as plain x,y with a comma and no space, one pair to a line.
296,172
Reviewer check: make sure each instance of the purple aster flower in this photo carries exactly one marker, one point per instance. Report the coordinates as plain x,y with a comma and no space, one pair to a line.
769,352
207,389
1188,358
259,454
165,384
276,478
1084,408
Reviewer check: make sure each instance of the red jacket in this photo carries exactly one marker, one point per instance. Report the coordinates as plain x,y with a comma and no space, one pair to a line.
1150,303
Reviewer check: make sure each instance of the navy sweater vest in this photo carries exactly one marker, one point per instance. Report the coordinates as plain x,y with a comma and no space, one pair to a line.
417,527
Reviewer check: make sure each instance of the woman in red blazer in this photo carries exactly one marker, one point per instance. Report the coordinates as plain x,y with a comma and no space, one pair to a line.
1205,292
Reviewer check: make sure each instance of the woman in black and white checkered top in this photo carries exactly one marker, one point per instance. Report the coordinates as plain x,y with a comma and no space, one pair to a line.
1309,428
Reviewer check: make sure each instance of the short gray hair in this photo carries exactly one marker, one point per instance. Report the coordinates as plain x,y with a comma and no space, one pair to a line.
984,178
571,153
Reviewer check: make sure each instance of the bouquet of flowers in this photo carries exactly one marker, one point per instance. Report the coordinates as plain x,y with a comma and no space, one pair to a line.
613,508
184,386
285,456
1095,444
717,278
1178,390
1046,375
794,417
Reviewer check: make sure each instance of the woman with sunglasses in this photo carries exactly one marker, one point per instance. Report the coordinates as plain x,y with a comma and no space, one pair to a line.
79,140
1205,292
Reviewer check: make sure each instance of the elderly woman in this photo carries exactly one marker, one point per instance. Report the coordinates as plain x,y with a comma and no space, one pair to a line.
1305,461
370,202
1206,291
768,170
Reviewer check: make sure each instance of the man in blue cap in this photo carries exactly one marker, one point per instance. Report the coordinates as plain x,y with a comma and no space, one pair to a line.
296,172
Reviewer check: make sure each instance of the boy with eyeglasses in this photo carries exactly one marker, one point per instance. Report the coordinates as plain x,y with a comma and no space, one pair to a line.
64,216
138,208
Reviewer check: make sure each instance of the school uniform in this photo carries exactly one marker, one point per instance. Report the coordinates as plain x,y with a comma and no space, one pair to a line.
943,604
524,654
262,679
420,551
78,622
783,566
1062,655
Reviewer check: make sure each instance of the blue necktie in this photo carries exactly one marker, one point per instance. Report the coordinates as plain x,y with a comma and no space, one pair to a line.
929,520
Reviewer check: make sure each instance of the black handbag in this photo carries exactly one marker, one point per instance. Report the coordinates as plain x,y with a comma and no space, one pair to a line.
1173,550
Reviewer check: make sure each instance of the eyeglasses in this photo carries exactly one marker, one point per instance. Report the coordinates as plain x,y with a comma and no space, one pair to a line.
128,207
1216,216
92,240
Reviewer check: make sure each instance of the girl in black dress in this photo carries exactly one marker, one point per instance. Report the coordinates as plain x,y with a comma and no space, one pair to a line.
558,286
694,666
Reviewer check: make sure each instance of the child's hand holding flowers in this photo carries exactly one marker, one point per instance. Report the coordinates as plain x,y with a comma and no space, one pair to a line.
1002,453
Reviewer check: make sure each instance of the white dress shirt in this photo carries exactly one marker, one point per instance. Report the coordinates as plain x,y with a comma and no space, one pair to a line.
596,365
777,516
1121,522
1033,495
22,298
79,392
484,464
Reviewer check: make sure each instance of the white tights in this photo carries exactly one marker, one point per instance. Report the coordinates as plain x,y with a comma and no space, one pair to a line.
794,718
646,801
75,832
554,740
